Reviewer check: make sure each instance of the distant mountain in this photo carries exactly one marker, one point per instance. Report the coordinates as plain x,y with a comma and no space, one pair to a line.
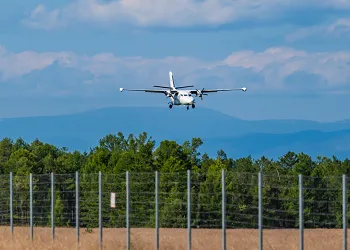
219,131
311,142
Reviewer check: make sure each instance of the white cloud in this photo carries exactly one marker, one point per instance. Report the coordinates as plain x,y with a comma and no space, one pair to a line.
40,18
14,65
339,28
175,13
275,64
18,64
272,66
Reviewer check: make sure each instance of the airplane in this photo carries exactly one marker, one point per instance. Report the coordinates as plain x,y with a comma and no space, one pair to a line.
181,97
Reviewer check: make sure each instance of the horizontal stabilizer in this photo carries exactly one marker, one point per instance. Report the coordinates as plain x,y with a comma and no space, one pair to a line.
182,87
158,86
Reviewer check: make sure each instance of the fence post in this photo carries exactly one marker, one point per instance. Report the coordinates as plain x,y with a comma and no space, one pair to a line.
189,209
301,213
157,211
77,206
345,210
31,204
127,210
52,206
100,206
260,183
11,203
223,206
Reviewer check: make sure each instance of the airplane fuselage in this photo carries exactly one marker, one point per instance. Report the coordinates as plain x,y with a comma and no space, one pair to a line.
182,98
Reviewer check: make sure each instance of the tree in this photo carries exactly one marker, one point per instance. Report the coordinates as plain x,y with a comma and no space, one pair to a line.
115,154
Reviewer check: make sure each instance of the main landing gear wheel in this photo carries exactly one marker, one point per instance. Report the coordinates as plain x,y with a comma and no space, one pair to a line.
187,107
193,106
170,106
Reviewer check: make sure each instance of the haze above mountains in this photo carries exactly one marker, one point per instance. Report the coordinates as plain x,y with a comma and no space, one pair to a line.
238,138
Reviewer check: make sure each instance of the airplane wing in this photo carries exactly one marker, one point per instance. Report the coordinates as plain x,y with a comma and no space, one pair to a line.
145,90
216,90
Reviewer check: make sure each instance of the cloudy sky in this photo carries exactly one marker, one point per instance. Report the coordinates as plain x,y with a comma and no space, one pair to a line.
59,57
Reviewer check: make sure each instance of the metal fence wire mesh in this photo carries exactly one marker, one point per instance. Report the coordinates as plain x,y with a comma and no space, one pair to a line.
216,199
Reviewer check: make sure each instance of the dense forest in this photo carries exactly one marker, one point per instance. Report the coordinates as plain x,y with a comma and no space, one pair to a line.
116,154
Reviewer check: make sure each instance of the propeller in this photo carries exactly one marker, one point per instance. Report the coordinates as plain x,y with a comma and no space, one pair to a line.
200,94
168,94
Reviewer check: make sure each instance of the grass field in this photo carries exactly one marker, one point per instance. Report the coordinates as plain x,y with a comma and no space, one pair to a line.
170,239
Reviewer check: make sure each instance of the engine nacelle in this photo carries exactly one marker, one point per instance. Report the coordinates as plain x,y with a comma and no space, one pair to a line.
168,93
199,93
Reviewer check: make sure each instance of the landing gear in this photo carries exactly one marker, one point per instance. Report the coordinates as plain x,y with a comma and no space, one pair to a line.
170,106
193,106
187,107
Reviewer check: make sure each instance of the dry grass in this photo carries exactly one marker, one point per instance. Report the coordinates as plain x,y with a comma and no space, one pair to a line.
170,239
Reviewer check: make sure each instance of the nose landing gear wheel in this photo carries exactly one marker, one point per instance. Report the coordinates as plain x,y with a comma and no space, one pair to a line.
170,106
193,106
188,107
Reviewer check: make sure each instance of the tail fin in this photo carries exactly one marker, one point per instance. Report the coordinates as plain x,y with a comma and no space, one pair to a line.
171,79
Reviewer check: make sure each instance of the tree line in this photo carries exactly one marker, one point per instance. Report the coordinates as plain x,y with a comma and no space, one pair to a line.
115,154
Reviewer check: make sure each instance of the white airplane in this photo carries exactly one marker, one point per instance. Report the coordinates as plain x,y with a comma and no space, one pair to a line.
181,97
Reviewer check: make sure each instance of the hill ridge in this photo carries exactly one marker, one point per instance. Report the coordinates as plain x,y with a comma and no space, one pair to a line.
82,130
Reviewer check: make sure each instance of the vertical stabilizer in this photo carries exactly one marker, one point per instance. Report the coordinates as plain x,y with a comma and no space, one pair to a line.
171,79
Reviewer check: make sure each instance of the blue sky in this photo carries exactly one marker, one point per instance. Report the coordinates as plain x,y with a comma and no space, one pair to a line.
67,56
